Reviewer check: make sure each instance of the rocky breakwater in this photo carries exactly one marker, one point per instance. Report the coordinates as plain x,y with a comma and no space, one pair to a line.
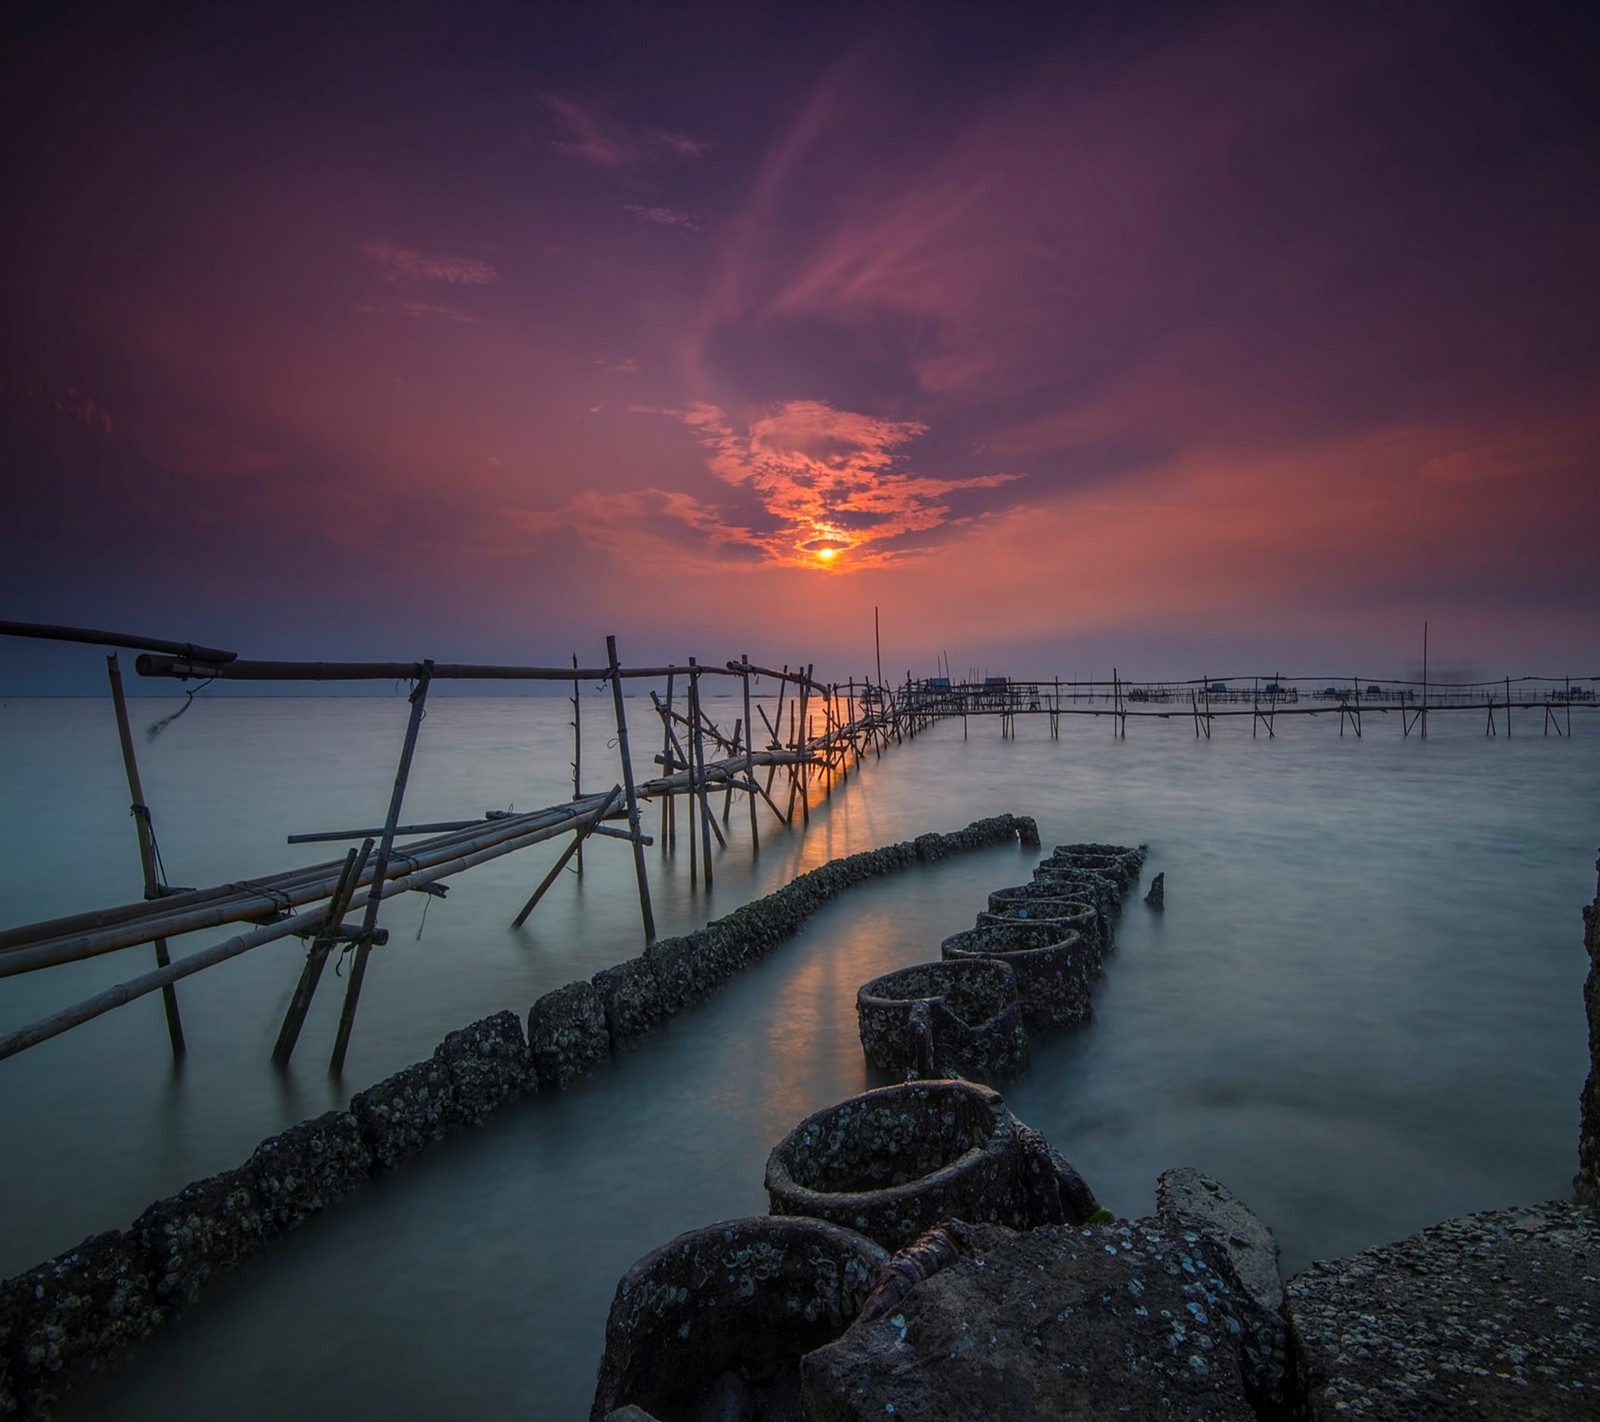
86,1309
716,1324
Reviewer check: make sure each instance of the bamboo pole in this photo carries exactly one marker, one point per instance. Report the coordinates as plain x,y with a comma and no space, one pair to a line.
50,632
749,754
233,904
576,847
668,805
317,954
114,997
577,751
147,847
697,749
369,920
639,870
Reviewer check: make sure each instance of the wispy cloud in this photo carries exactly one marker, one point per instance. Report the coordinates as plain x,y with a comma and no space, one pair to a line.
403,265
418,310
72,405
608,142
666,216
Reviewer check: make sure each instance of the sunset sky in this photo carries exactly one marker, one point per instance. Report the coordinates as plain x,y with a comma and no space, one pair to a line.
1231,337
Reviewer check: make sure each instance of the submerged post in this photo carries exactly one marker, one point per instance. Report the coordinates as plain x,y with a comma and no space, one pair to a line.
380,868
147,847
639,870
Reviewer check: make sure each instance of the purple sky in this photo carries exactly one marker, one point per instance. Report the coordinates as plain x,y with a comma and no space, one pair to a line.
1179,338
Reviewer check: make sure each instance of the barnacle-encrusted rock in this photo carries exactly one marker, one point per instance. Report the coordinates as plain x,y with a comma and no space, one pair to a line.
1494,1315
76,1313
1132,1321
1117,862
975,1021
567,1033
889,1163
488,1063
679,976
631,997
406,1112
303,1170
205,1228
1195,1201
1069,880
743,1297
1052,978
1053,920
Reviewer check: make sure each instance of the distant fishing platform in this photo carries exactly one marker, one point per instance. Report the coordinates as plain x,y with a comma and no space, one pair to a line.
830,728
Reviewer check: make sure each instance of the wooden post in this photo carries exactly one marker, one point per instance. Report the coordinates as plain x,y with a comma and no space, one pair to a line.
749,754
577,751
380,868
355,863
669,810
639,870
1508,708
697,776
1424,681
147,847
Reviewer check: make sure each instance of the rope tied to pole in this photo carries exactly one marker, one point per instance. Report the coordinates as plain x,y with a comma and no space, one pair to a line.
157,727
280,900
162,888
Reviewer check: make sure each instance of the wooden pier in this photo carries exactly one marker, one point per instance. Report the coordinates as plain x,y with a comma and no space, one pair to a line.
830,729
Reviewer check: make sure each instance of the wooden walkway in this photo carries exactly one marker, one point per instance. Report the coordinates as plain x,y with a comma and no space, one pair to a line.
811,740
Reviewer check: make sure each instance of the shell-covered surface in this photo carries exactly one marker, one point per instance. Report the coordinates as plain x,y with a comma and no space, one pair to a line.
740,1295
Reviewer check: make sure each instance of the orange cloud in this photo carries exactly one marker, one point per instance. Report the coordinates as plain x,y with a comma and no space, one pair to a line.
828,477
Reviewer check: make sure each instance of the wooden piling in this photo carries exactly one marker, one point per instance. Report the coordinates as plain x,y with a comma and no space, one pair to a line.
749,754
355,863
369,920
639,870
697,749
577,751
147,847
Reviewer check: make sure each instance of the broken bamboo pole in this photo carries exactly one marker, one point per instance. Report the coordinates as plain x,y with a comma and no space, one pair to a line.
576,847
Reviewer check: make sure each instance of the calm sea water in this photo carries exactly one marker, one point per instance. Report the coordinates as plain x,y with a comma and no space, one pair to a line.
1361,1009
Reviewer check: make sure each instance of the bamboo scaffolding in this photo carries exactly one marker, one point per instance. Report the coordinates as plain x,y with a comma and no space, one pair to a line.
39,946
111,998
